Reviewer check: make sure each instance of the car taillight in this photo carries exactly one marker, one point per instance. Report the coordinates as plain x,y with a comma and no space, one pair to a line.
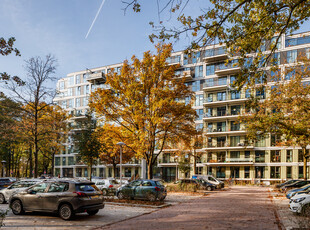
157,189
110,186
80,194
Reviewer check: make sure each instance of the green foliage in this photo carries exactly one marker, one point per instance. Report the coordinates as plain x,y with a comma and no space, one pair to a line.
184,165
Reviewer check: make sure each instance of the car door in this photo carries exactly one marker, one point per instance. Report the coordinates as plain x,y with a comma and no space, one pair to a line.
129,189
32,200
143,189
55,192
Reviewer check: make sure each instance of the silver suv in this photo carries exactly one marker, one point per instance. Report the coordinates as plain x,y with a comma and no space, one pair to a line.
65,197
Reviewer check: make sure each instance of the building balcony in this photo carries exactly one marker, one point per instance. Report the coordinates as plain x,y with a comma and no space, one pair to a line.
223,145
221,56
187,74
99,77
224,131
227,68
231,162
223,101
219,116
215,85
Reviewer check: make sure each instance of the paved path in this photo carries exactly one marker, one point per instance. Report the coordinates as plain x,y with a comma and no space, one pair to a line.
237,208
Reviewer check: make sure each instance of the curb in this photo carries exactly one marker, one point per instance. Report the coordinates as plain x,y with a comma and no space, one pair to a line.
138,205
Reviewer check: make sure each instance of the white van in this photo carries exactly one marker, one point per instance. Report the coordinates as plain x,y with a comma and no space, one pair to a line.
210,179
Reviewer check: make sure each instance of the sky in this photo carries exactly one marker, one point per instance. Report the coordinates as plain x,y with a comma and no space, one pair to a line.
59,27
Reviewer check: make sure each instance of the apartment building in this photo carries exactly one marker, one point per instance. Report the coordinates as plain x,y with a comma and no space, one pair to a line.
226,153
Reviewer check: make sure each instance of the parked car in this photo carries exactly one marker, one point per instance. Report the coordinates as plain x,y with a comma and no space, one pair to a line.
107,186
5,182
210,179
188,181
15,188
204,184
293,192
297,184
142,189
286,183
300,204
65,197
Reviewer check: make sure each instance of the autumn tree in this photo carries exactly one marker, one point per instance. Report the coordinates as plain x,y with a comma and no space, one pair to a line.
245,27
145,99
35,95
109,135
284,113
86,138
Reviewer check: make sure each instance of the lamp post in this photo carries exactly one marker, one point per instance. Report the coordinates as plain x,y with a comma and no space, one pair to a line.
121,144
3,166
176,167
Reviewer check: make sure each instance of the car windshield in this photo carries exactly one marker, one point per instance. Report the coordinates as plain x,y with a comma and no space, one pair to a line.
212,179
87,187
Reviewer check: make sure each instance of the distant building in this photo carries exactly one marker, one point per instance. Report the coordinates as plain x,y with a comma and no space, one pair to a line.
226,152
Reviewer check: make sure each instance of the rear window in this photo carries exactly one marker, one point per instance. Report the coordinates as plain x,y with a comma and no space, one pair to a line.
5,180
158,183
86,187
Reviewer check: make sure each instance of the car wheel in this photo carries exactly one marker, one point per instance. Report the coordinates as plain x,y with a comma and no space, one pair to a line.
162,198
151,197
93,212
209,188
17,207
2,199
66,212
306,210
104,192
120,196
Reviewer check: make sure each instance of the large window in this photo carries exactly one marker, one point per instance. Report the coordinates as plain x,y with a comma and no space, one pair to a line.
289,172
234,141
78,79
275,156
199,114
77,102
275,172
234,126
289,155
291,56
210,70
220,172
199,100
199,71
247,172
235,110
78,91
259,156
221,96
235,95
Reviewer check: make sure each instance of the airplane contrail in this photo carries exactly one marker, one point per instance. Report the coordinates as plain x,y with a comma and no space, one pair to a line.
91,26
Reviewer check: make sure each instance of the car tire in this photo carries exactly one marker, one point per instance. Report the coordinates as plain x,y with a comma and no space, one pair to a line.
104,192
93,212
17,207
162,198
2,198
151,197
120,196
306,210
209,188
66,212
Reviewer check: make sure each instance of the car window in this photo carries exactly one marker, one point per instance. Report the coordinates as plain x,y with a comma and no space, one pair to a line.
158,183
87,187
39,188
113,182
212,179
100,183
58,187
135,183
146,183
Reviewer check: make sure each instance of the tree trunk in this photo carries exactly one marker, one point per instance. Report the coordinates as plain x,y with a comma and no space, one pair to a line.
305,163
149,170
30,162
53,164
114,170
90,168
194,165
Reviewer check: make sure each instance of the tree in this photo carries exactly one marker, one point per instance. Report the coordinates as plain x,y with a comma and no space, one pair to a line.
144,100
33,93
87,141
284,113
246,26
109,135
6,48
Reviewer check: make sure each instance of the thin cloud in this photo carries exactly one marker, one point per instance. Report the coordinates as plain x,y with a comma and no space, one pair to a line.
91,26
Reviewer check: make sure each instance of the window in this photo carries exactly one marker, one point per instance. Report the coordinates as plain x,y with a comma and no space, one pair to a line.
85,101
275,156
77,79
70,92
39,188
235,95
210,70
234,126
220,172
210,97
234,154
195,57
232,80
199,100
199,71
209,53
221,111
247,154
291,56
78,91
260,142
248,93
58,187
259,172
221,96
199,170
199,127
86,89
247,172
289,172
221,126
275,172
260,94
57,161
61,85
222,81
259,156
235,110
196,86
187,100
234,141
146,183
234,172
64,161
77,102
185,59
70,103
199,114
70,160
289,155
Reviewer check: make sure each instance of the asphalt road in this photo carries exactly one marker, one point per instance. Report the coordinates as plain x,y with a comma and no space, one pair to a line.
237,208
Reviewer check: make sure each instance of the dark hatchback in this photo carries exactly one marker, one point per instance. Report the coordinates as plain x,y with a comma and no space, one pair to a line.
5,182
65,197
142,189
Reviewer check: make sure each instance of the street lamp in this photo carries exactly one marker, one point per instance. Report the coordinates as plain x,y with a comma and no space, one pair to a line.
121,144
3,165
176,167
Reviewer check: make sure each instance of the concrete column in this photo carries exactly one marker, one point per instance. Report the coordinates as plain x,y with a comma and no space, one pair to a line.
143,169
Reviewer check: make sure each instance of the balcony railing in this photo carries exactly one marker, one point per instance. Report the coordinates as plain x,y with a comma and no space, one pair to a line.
239,160
215,82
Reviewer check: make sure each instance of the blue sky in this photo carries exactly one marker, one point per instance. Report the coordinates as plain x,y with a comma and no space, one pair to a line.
59,27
